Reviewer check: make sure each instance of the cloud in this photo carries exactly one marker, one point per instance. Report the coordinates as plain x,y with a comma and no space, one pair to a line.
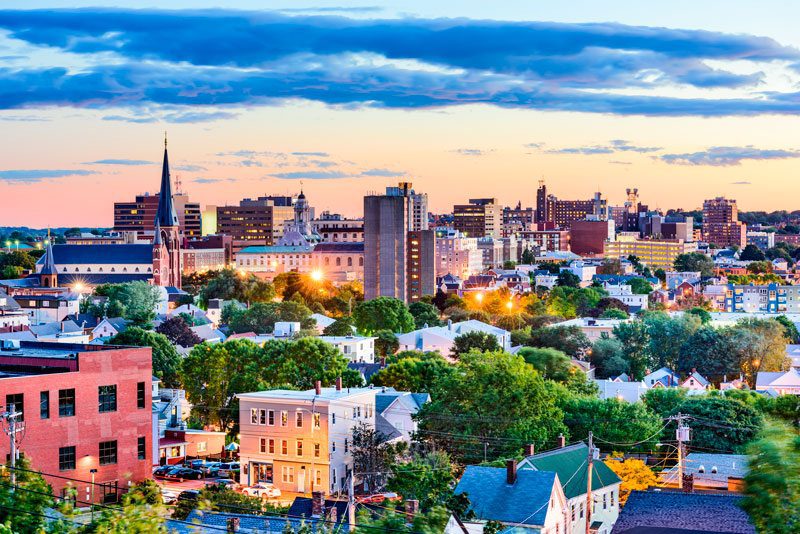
740,183
314,154
133,162
38,175
534,145
189,168
310,175
138,59
622,145
385,173
211,180
618,162
332,9
616,145
471,151
726,156
134,120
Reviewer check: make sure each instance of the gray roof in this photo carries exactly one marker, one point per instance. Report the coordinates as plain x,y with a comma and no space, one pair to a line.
307,395
385,428
7,303
50,329
165,215
100,254
690,511
412,402
491,498
727,465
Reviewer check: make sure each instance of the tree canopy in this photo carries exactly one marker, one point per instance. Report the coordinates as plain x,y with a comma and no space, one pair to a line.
166,360
383,313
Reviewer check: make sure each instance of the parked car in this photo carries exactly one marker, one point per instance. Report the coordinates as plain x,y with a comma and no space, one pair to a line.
160,472
225,483
169,496
184,473
206,467
263,490
189,495
229,469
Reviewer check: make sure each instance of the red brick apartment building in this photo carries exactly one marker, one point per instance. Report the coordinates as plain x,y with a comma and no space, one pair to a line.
85,407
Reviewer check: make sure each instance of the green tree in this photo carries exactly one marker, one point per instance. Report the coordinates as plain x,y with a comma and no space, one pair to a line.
428,478
383,313
612,420
700,313
148,490
640,286
422,374
300,363
136,301
568,279
751,253
343,326
635,343
790,329
372,456
424,314
474,341
166,360
18,258
568,339
386,343
551,363
23,510
664,401
495,399
772,487
614,313
608,357
721,423
694,261
666,335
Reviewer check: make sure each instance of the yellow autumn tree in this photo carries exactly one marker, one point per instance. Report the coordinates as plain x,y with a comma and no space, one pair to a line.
634,473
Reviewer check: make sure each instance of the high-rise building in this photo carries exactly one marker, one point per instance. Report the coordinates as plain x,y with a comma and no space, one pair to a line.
721,225
482,217
541,203
655,253
391,255
587,238
517,219
257,221
550,211
140,214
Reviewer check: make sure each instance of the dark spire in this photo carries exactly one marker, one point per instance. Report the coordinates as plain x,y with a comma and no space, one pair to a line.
165,216
49,266
157,234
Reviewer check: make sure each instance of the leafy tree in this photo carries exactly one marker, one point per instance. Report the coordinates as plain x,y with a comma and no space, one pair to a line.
694,261
713,352
569,302
18,258
428,478
440,300
634,473
300,363
420,374
568,339
148,490
666,335
166,360
700,313
772,487
615,420
474,341
568,279
661,274
386,343
527,257
664,401
372,456
722,423
790,329
9,272
136,301
383,313
393,520
640,286
262,316
751,253
228,284
635,342
550,363
494,398
136,516
610,266
614,313
343,326
178,332
32,498
608,357
424,314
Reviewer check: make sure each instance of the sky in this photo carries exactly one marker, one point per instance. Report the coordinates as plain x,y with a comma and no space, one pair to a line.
683,100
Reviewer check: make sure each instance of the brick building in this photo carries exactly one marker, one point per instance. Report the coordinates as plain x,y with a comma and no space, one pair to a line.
255,221
140,215
588,238
721,225
84,407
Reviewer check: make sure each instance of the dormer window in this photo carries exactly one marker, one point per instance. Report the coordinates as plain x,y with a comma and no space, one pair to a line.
714,469
701,469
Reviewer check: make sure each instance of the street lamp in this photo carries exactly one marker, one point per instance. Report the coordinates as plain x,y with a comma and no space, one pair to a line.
509,305
479,297
316,275
93,472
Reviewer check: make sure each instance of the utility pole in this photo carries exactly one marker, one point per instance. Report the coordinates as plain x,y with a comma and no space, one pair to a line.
351,503
682,434
589,466
10,416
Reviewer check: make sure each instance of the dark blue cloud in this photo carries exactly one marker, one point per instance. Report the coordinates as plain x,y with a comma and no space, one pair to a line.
225,58
313,154
38,175
725,156
615,145
133,162
310,175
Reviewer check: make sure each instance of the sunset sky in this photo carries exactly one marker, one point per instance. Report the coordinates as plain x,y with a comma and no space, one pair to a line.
683,99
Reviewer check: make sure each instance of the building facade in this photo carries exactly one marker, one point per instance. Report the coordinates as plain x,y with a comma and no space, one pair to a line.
721,225
457,254
256,222
139,215
482,217
333,227
656,253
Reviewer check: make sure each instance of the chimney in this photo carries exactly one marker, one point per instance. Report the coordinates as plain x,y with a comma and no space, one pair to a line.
338,383
529,449
98,320
511,471
450,324
62,326
383,362
688,483
317,503
412,507
318,387
233,524
562,441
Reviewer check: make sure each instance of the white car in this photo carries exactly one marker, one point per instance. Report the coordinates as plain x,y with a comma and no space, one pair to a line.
263,490
169,496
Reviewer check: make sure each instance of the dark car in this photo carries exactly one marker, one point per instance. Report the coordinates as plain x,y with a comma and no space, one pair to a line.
189,495
184,473
161,472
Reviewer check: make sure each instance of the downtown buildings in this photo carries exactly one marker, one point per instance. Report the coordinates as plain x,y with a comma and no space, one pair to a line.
721,225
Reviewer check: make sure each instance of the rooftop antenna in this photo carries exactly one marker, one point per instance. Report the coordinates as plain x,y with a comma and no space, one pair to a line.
165,139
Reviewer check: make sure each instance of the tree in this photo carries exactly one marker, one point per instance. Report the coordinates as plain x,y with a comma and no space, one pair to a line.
383,313
23,510
386,343
635,342
664,401
228,284
634,473
661,274
700,313
550,363
372,456
136,301
640,286
494,399
568,339
178,332
614,313
343,326
789,328
509,265
166,360
148,490
615,420
301,363
666,335
393,520
18,258
424,314
527,257
568,279
713,351
421,374
608,357
694,261
751,253
428,478
722,423
474,341
772,487
610,266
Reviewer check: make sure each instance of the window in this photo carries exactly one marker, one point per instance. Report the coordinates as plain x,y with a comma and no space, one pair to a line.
333,418
605,501
318,481
253,416
288,473
272,446
316,420
298,419
44,405
263,445
354,412
66,402
17,400
284,447
333,446
359,411
271,417
108,452
141,448
140,395
107,398
345,445
262,417
66,458
612,499
572,508
284,418
299,447
581,515
316,450
202,446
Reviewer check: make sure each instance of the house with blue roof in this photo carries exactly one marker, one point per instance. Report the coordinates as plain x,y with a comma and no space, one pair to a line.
395,411
524,501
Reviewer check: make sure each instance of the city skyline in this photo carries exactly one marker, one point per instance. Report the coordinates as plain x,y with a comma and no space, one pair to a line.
638,98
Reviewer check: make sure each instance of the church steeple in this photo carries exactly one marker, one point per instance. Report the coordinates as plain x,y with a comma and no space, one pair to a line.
166,215
48,276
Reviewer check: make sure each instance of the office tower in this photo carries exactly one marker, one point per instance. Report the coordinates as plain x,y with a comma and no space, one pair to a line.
552,212
255,221
721,225
397,262
140,214
482,217
542,215
517,219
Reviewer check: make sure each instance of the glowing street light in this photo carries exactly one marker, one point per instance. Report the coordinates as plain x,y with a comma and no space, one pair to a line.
316,275
479,297
509,304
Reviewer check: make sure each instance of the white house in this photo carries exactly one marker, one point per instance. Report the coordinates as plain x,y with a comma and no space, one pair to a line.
663,377
286,329
109,327
569,463
696,383
583,270
190,310
354,348
787,383
12,316
441,338
624,391
546,280
395,413
591,327
624,293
